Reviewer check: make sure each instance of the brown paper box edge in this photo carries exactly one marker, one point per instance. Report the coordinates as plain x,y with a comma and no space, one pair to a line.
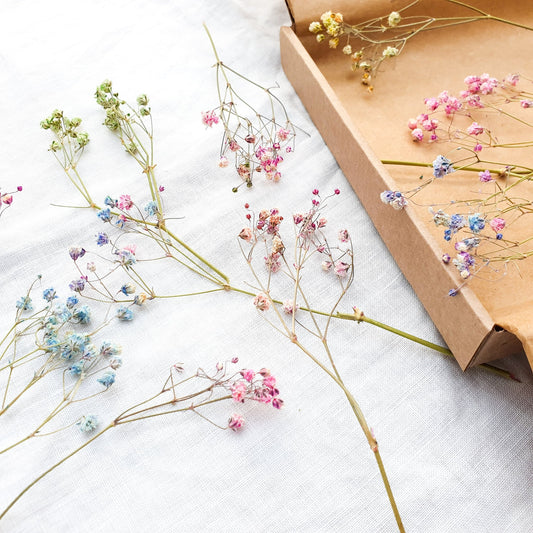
466,326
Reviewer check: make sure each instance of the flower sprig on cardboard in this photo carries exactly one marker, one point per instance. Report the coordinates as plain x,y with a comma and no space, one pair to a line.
373,42
479,227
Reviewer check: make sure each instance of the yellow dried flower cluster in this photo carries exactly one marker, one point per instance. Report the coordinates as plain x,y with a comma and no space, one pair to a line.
332,27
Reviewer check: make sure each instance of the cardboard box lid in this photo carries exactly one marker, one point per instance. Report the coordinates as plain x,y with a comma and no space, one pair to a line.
484,321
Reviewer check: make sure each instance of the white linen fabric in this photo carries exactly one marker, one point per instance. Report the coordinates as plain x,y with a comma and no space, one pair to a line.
457,446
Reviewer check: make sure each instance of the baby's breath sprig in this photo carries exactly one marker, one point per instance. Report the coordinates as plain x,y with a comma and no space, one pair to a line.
130,126
310,245
6,199
193,394
480,228
374,41
55,339
256,140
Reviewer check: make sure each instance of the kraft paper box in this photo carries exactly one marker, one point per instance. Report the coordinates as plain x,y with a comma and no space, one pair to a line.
486,320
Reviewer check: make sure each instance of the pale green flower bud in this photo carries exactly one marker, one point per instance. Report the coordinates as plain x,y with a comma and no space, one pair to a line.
142,99
55,146
83,139
105,86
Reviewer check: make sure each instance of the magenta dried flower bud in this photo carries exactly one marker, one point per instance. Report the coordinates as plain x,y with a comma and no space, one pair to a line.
250,139
235,422
277,403
445,258
19,188
247,374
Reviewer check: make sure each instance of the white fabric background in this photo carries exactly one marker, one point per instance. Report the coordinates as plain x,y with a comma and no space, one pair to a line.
457,447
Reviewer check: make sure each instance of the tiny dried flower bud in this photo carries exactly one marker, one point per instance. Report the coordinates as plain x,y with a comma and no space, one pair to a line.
140,299
250,139
390,51
289,307
223,162
235,422
142,100
333,43
315,27
262,302
394,19
358,314
344,235
320,37
76,252
347,50
277,245
91,267
246,234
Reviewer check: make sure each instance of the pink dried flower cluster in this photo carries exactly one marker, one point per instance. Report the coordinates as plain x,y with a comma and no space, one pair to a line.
425,125
257,386
209,118
254,151
6,199
125,202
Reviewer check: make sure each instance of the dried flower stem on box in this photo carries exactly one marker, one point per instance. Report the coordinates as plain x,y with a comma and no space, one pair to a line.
480,227
378,40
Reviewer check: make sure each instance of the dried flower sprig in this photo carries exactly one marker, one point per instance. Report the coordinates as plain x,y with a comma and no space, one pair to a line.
254,139
6,199
56,338
192,394
309,245
479,227
465,118
130,126
370,43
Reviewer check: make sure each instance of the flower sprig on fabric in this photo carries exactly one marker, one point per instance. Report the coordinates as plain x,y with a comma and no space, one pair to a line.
255,140
133,127
294,318
195,394
6,199
55,342
372,42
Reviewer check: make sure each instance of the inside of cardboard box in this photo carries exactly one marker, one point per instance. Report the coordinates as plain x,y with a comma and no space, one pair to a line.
430,63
